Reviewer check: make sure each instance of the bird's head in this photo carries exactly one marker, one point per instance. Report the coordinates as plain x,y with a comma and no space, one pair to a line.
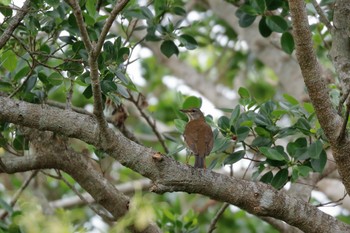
193,113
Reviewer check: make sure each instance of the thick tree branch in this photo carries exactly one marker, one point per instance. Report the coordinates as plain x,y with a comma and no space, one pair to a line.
340,52
51,152
169,175
14,23
54,149
311,71
330,121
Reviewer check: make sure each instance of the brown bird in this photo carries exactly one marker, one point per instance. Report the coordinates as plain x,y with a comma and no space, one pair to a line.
198,136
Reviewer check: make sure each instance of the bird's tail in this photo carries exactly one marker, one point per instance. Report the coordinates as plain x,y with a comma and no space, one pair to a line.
199,161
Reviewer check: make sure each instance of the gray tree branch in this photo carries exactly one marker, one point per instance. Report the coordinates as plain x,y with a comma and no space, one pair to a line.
330,121
169,175
14,23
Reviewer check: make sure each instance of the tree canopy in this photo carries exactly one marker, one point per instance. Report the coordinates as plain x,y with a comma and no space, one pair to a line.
91,127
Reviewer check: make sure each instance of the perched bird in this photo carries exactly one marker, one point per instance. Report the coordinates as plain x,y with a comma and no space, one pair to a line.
198,136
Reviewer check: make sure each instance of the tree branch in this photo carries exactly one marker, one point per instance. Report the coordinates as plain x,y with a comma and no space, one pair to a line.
311,71
106,27
14,23
167,174
126,188
330,121
81,24
323,17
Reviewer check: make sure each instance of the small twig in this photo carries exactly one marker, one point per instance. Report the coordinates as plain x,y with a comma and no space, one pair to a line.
212,225
250,163
149,122
19,192
93,208
335,203
24,82
69,95
323,17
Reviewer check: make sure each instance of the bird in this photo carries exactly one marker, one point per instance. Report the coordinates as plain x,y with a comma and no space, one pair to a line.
198,136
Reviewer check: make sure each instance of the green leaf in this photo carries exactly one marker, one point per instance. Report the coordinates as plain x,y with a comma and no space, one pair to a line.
235,114
261,141
213,164
30,83
319,164
274,4
55,79
192,102
267,177
9,60
109,50
262,120
234,157
287,42
123,91
108,86
295,175
122,77
272,154
243,92
5,11
91,7
278,113
180,125
315,149
262,132
259,5
264,30
245,19
297,148
88,92
147,12
248,9
168,48
280,179
290,99
309,107
123,54
224,124
20,143
303,125
177,10
326,2
188,41
303,170
276,23
220,144
242,133
5,87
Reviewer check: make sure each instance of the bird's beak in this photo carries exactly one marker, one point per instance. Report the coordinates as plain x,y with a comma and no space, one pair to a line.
184,110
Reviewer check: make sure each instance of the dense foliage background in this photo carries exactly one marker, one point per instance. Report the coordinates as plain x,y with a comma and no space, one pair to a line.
90,93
